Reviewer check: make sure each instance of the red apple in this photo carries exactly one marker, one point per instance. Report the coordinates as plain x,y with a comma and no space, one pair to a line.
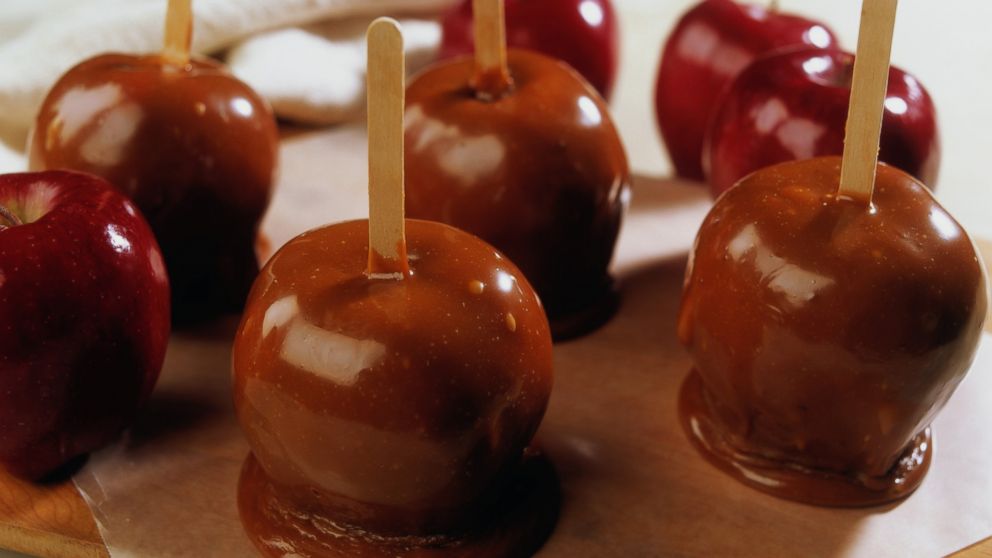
84,317
584,34
709,46
191,145
793,105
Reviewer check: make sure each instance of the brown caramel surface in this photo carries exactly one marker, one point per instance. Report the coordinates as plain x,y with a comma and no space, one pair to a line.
192,146
827,334
397,408
537,171
516,522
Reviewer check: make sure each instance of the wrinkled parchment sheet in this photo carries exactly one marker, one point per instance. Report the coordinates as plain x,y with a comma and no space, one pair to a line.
633,486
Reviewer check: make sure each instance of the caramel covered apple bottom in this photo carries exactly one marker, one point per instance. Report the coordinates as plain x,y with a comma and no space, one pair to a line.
826,333
535,167
390,417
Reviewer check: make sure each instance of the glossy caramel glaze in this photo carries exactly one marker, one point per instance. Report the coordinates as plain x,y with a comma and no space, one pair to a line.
826,334
585,35
195,149
390,408
539,173
515,521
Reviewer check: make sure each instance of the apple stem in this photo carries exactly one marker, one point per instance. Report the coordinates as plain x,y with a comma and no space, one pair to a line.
386,94
773,6
868,86
8,219
492,75
178,32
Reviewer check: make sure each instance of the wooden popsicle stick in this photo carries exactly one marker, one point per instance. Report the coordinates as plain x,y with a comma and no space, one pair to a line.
386,94
492,75
773,6
178,32
870,81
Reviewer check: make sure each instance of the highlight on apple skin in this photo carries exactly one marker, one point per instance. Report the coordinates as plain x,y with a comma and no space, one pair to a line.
712,43
792,105
84,318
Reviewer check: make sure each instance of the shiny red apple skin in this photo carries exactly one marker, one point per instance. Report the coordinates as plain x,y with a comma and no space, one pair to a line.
793,105
84,318
710,45
585,34
195,149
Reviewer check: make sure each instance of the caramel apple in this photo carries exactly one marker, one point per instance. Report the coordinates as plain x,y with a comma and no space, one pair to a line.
192,146
389,376
518,149
585,35
831,308
827,334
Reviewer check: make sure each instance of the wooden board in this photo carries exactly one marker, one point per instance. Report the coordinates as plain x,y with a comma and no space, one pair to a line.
982,549
51,521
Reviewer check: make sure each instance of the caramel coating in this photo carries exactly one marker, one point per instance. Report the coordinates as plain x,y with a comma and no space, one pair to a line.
390,406
539,172
827,334
193,147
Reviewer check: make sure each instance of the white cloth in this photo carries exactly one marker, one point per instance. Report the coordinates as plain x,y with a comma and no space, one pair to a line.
313,74
323,82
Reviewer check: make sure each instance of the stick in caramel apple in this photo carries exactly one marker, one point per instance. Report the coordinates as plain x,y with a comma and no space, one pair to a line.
869,83
178,32
492,76
386,94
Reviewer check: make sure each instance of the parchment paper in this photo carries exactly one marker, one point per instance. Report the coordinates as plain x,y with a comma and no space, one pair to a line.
633,486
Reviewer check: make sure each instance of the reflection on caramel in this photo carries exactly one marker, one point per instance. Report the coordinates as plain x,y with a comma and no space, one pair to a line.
827,334
192,146
538,172
491,84
393,407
